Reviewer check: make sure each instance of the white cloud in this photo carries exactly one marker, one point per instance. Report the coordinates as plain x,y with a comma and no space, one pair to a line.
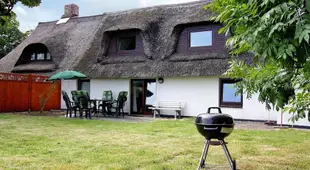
91,7
20,11
143,3
29,17
100,6
178,1
53,10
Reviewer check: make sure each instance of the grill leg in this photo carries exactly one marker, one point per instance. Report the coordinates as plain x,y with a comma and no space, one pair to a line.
204,155
228,156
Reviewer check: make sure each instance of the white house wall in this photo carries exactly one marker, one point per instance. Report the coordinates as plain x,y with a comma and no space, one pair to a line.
203,92
199,93
286,121
97,86
68,86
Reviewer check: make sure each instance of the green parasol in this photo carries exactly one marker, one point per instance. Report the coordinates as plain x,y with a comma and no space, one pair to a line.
65,75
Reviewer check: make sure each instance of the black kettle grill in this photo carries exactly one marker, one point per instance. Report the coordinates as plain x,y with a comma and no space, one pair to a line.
215,126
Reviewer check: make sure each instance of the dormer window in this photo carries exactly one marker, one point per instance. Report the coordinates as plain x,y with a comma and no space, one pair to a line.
127,43
35,52
200,39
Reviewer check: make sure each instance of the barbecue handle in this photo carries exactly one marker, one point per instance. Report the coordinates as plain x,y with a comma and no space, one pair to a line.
219,109
215,128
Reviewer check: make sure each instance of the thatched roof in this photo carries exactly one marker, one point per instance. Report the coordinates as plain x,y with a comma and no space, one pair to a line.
67,44
81,44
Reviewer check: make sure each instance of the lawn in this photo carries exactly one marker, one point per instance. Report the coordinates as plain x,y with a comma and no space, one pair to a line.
56,143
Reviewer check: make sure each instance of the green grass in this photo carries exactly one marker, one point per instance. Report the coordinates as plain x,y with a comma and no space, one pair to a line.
56,143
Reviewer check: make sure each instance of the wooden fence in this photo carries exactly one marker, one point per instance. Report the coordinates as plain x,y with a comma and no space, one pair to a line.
19,92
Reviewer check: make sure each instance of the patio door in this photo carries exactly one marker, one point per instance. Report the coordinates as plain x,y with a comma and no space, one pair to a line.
143,95
84,85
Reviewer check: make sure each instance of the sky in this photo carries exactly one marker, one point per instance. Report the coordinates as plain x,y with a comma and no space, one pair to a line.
51,10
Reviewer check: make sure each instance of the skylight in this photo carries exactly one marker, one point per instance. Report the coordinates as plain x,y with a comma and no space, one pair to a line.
62,21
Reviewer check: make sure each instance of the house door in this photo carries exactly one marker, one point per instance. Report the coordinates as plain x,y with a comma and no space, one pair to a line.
84,85
143,95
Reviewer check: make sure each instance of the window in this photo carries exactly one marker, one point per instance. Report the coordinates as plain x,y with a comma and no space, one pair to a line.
35,52
201,39
84,85
128,43
40,56
228,97
33,56
48,56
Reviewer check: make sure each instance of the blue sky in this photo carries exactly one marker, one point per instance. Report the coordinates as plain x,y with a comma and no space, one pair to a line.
51,10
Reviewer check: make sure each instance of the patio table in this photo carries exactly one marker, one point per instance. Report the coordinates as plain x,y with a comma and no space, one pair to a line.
108,103
104,103
96,103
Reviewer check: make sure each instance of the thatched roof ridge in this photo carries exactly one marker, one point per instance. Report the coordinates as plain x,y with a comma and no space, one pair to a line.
81,44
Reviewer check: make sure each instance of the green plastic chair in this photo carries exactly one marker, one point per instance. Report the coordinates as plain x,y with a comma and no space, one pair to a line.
70,105
85,106
118,107
84,93
107,95
76,97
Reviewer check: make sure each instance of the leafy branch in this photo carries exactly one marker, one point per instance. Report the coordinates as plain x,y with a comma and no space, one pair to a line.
277,33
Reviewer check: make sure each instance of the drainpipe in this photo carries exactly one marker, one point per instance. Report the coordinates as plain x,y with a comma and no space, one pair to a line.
156,91
293,120
281,117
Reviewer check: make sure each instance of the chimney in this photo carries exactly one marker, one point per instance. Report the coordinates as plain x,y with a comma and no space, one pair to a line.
71,10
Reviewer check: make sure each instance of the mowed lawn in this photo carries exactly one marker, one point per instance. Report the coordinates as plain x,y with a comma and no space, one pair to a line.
57,143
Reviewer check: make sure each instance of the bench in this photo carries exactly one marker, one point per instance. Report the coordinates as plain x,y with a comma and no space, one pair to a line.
168,105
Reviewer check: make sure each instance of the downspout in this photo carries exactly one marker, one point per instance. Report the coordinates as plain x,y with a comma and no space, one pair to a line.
156,91
281,117
293,120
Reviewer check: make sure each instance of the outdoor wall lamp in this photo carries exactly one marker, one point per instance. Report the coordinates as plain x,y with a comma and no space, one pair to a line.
160,80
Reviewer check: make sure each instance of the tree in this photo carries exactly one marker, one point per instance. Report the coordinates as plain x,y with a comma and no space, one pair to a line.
10,35
45,96
6,6
277,33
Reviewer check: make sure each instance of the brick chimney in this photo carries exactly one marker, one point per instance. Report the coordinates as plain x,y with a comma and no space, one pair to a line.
71,10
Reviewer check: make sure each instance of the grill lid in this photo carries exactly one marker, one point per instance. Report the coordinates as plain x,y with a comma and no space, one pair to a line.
214,119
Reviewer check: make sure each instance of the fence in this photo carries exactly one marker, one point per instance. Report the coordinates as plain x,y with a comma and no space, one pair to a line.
20,92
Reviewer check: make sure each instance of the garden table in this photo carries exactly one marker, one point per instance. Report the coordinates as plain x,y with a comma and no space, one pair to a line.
104,104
